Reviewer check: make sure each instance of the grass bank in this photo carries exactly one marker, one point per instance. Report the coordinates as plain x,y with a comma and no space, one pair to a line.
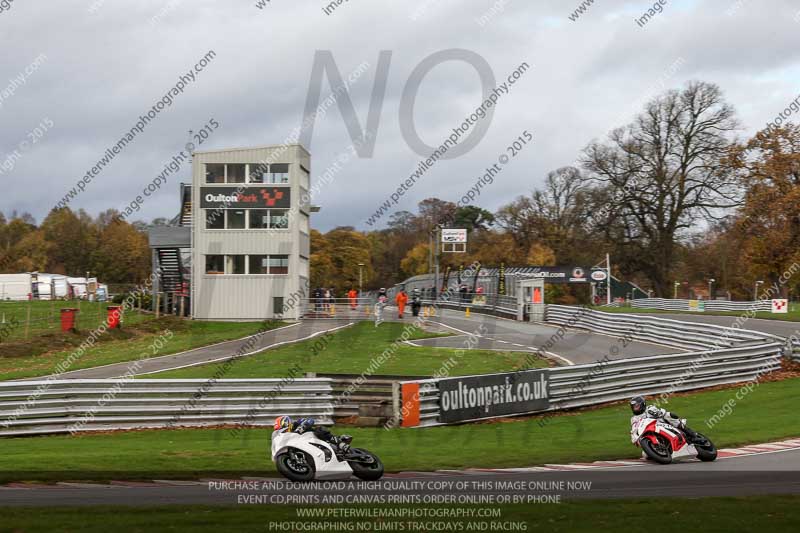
41,355
351,351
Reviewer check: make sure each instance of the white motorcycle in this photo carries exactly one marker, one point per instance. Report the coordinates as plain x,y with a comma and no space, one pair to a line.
303,457
663,442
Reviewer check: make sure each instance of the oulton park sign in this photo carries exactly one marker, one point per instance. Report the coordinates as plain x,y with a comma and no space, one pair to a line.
245,197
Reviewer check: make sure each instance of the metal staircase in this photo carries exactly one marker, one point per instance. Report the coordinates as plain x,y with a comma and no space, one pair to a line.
171,274
186,206
171,247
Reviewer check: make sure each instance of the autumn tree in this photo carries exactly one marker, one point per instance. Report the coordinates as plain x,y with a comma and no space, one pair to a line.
321,262
335,257
31,253
72,238
666,171
122,254
12,234
769,221
416,261
435,212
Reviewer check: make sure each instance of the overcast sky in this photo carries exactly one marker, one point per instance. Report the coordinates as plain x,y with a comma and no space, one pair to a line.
103,63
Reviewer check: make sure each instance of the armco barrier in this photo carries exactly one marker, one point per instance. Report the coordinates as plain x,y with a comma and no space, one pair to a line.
650,328
720,356
500,306
359,395
65,406
667,304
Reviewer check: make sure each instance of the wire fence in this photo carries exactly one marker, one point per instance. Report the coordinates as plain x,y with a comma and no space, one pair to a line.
24,320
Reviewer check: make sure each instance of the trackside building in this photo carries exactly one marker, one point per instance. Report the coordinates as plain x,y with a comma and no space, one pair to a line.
250,227
239,247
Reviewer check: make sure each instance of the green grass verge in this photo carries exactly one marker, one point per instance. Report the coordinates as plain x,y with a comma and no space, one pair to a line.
792,316
351,350
127,344
670,515
44,317
582,436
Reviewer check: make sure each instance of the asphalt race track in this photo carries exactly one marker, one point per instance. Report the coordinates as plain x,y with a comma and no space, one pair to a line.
782,328
769,472
575,347
216,352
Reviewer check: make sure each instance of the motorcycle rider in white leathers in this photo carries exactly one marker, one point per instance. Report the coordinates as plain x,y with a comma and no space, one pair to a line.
641,410
383,299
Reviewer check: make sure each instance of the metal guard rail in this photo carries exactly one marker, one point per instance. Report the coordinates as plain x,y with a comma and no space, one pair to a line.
68,406
741,356
670,332
673,304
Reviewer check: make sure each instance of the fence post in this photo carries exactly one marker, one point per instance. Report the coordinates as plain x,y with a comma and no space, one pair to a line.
183,300
158,304
396,413
28,321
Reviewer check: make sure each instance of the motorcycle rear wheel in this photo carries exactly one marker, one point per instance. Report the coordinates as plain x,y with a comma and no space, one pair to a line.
658,453
706,451
295,465
372,471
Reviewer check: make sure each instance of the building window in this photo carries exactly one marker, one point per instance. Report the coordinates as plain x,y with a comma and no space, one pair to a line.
268,264
259,264
236,219
215,264
235,173
277,305
215,219
215,173
259,218
219,218
279,173
279,218
235,264
279,264
247,264
258,172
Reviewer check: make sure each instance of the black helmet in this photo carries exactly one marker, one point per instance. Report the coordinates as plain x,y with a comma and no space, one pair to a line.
638,405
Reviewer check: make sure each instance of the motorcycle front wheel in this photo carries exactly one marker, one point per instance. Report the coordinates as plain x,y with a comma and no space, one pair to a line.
370,469
660,453
295,465
706,451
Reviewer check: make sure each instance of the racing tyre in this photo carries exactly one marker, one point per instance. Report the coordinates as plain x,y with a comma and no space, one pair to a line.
295,465
706,451
660,453
368,471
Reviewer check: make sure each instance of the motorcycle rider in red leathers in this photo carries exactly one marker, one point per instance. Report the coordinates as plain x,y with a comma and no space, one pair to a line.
641,410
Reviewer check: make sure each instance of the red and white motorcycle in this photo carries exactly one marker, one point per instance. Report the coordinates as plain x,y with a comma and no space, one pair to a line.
663,442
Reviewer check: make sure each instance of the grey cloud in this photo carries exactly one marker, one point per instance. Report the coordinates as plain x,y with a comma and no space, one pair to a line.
106,68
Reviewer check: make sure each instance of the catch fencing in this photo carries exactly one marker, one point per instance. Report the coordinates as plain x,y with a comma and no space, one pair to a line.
488,304
69,406
667,304
339,308
719,356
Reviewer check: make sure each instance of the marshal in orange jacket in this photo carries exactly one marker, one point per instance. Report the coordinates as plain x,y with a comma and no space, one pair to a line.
401,299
